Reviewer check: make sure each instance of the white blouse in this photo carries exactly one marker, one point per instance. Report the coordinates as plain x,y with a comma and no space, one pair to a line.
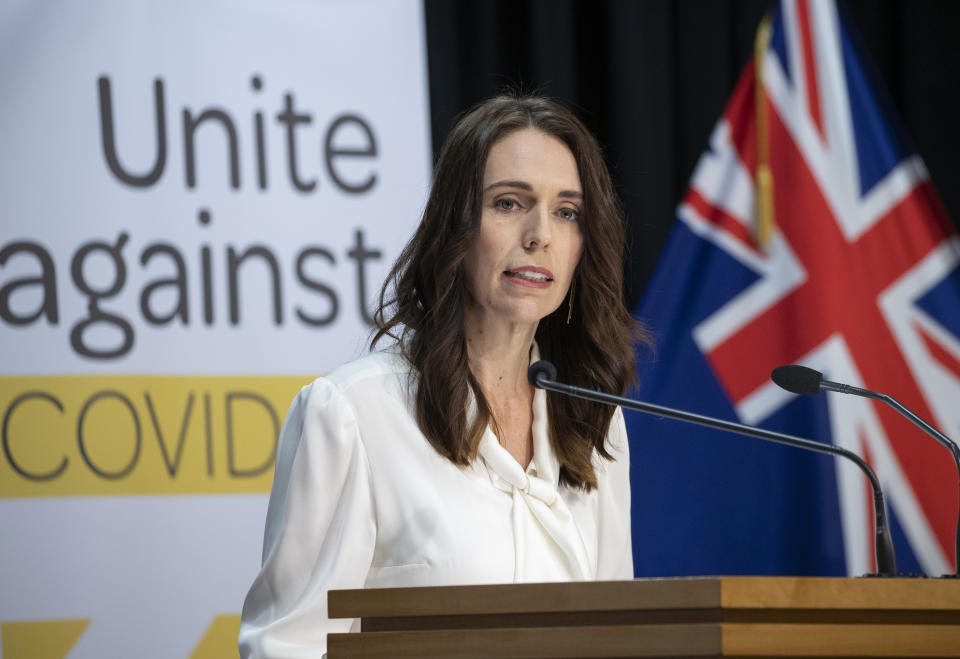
361,499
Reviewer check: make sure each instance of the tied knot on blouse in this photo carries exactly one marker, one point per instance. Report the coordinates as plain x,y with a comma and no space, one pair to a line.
512,480
548,545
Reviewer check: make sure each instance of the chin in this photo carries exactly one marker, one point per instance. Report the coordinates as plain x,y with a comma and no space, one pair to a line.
529,315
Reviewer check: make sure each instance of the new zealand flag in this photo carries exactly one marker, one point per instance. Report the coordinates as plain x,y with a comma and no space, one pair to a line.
859,279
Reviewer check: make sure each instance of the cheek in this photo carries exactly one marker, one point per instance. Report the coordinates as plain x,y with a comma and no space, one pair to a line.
470,268
486,253
479,263
576,251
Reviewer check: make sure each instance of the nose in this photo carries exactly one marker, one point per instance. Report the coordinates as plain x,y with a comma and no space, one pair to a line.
537,229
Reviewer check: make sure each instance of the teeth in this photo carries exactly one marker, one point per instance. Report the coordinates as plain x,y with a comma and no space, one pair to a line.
531,276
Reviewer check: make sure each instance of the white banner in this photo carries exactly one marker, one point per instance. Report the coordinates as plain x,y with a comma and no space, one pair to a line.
199,202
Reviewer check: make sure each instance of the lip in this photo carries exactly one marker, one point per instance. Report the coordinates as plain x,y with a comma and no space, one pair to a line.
532,268
526,282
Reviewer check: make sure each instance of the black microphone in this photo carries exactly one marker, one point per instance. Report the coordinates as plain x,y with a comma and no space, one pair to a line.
797,379
541,374
803,380
541,368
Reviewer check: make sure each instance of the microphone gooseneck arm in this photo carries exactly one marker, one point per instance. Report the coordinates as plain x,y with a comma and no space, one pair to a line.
542,375
925,427
899,407
806,381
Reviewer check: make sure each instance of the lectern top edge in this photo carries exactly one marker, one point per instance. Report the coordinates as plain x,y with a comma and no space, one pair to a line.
515,598
649,594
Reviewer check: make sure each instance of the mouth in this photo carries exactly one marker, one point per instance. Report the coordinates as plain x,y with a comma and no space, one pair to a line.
530,273
530,276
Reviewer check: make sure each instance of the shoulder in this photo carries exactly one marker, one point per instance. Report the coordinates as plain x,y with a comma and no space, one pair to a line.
333,410
617,442
377,377
617,445
377,366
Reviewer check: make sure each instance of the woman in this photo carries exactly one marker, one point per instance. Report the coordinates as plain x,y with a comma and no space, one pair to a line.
435,462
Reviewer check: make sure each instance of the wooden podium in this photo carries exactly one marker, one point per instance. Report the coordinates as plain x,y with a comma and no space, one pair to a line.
695,617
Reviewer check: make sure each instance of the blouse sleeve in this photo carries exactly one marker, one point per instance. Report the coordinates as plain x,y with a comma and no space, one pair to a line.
320,530
615,549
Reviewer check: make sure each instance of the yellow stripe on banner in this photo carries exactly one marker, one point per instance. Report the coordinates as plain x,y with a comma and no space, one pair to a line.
123,435
220,641
42,639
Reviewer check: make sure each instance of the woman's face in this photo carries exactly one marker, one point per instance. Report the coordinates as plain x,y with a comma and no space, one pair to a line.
521,263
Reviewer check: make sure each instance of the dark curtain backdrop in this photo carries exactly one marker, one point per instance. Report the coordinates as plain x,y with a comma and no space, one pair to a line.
651,77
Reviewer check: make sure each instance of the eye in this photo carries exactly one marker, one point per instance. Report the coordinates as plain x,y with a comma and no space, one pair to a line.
570,214
505,204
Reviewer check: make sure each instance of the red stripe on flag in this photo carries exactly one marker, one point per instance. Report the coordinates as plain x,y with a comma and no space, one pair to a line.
938,352
809,65
742,119
720,218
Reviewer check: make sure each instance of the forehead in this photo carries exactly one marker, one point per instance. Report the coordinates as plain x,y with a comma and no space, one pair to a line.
532,156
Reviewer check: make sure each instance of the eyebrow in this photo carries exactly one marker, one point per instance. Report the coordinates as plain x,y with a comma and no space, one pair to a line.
523,185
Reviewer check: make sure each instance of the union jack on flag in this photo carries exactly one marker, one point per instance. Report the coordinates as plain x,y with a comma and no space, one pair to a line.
859,279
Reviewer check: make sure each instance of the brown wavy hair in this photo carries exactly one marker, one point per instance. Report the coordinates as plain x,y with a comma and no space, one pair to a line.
423,299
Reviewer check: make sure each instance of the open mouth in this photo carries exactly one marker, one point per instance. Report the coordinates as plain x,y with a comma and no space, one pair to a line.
528,275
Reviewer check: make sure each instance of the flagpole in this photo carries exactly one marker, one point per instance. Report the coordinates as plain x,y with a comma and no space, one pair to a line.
764,181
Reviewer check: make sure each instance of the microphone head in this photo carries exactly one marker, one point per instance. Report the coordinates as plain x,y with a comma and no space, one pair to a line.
797,379
539,369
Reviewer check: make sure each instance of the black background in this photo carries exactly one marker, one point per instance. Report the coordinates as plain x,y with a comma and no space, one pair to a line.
650,78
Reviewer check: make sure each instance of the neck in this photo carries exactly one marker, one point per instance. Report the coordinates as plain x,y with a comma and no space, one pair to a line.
499,355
